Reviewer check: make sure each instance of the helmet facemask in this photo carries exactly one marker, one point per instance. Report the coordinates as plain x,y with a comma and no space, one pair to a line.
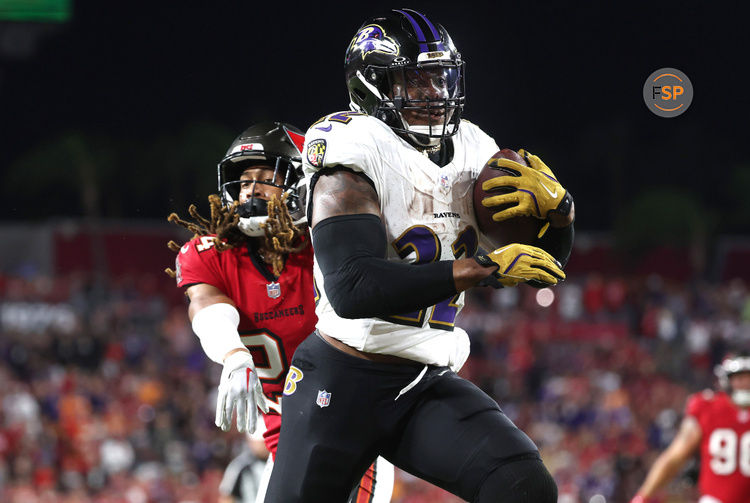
423,101
253,212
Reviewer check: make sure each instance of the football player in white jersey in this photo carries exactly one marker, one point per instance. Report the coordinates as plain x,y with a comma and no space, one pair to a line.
396,243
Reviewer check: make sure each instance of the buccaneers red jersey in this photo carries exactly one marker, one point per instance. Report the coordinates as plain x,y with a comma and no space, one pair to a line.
276,314
725,446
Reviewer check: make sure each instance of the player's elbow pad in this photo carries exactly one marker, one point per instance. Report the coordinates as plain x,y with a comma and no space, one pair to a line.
360,283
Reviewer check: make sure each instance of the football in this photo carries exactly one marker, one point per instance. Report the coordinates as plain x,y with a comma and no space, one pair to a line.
515,230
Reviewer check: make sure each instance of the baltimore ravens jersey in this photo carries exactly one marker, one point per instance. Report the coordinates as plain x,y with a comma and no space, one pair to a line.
428,215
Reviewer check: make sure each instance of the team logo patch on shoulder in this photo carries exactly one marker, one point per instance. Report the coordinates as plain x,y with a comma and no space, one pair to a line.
177,270
294,376
316,152
707,394
324,399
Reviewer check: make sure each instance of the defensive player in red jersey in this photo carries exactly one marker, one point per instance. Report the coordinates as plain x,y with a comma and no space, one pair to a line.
718,425
248,275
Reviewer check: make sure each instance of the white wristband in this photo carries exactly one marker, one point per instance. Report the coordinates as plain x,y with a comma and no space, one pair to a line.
216,327
235,360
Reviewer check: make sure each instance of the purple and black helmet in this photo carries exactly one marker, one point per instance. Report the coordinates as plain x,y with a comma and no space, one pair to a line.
389,58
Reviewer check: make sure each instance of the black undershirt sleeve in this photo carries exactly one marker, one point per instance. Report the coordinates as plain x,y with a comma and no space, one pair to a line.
361,283
558,242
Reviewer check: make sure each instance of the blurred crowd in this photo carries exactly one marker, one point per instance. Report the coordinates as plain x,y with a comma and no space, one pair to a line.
106,396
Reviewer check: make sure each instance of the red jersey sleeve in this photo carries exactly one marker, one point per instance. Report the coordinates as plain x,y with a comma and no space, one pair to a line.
697,403
198,262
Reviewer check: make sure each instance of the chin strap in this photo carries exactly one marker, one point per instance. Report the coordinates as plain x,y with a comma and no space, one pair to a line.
420,135
255,207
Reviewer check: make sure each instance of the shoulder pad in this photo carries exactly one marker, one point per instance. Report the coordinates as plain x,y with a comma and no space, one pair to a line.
474,132
197,261
343,117
697,402
200,244
349,139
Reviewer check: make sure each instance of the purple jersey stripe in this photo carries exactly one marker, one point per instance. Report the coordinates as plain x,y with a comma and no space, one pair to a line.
434,31
420,35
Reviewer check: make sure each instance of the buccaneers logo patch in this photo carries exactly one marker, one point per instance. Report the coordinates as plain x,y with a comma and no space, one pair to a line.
316,152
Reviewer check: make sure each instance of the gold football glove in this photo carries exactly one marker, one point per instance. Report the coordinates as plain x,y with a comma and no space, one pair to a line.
519,263
537,191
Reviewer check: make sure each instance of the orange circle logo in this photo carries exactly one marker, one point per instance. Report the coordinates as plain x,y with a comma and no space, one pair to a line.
668,92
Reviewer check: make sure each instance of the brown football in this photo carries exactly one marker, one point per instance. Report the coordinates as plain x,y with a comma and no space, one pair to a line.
515,230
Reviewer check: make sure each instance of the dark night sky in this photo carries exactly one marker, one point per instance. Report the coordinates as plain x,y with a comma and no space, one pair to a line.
563,81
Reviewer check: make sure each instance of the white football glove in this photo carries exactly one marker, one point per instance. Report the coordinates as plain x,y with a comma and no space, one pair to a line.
239,388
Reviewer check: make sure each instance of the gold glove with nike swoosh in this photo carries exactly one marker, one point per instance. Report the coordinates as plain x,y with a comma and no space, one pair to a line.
519,263
537,191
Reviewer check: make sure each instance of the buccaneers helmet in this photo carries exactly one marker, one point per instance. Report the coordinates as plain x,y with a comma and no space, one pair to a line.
731,365
273,144
404,69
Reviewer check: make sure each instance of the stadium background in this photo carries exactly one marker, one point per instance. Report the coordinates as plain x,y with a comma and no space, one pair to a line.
113,115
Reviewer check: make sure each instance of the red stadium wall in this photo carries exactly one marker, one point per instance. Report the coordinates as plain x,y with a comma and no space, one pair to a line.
122,248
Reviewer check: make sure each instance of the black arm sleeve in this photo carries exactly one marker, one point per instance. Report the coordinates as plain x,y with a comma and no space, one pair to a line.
558,242
361,283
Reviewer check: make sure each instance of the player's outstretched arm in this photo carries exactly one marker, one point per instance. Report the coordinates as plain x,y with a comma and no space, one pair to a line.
350,245
215,320
668,464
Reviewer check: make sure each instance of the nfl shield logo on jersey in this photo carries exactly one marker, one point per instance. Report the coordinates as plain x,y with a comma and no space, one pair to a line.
444,182
273,290
324,398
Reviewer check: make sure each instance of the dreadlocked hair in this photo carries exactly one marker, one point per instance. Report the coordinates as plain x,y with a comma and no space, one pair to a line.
282,236
222,223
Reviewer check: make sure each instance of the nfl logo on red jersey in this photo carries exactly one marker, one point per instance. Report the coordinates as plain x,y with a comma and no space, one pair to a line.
324,398
273,290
